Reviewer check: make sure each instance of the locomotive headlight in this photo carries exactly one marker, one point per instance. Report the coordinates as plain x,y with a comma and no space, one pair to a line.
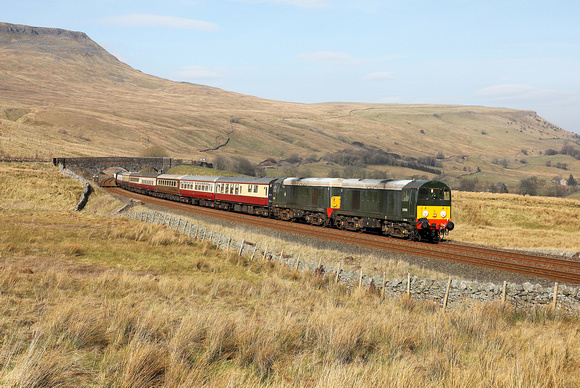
425,213
443,214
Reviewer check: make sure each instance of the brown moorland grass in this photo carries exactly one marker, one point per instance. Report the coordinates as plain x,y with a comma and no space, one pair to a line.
516,221
140,306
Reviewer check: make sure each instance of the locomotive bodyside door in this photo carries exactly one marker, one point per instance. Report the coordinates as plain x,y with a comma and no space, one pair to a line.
408,201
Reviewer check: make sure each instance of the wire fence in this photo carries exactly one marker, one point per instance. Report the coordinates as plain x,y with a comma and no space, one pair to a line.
447,293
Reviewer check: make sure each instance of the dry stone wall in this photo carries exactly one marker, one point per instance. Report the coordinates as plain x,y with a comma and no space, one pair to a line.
445,292
87,189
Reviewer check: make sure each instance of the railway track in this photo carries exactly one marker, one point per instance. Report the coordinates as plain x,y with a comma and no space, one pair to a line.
565,271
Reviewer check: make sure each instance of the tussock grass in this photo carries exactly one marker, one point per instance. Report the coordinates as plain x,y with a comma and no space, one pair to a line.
134,328
114,306
516,221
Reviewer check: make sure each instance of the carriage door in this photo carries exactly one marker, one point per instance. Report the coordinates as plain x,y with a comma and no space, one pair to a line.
406,204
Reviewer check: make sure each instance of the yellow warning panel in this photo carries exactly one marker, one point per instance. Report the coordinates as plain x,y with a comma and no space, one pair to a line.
335,202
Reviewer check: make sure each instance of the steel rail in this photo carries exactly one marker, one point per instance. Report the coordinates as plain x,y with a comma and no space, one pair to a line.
483,257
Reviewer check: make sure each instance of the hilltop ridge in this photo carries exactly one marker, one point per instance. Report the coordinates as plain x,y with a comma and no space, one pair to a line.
55,41
62,94
40,31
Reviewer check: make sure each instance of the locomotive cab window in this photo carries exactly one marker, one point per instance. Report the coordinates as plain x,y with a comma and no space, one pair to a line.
435,194
446,195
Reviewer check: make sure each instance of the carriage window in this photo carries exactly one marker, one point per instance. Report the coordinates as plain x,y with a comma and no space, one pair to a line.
255,188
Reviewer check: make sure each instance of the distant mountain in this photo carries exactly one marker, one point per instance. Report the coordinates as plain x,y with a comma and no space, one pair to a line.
61,94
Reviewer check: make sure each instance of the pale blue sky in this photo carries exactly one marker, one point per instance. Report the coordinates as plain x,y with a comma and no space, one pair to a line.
510,53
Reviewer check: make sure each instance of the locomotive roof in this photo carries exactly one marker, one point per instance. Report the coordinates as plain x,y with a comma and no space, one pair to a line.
383,184
421,183
378,184
323,182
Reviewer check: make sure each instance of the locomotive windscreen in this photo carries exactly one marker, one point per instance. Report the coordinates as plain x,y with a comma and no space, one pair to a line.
434,194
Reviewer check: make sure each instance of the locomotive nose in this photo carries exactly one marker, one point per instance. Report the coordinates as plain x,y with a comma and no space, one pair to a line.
450,225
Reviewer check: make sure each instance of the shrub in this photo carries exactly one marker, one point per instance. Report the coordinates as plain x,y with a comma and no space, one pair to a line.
236,164
529,186
466,184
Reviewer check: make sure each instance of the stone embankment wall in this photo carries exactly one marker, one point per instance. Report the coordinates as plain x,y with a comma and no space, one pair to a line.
447,292
87,190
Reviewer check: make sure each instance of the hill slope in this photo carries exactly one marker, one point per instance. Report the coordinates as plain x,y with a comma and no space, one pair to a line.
61,94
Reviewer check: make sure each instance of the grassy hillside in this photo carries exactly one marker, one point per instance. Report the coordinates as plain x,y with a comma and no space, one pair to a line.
63,95
92,300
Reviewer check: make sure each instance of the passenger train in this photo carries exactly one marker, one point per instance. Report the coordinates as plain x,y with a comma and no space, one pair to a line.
413,209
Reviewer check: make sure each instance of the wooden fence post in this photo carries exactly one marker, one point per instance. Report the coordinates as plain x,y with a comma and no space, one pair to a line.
554,303
338,271
447,294
360,278
254,253
241,247
297,262
408,284
265,252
